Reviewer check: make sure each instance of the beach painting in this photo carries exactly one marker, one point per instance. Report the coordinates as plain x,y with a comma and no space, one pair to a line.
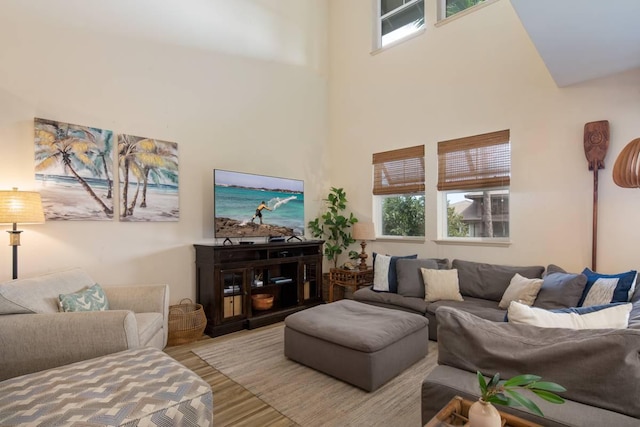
148,170
74,170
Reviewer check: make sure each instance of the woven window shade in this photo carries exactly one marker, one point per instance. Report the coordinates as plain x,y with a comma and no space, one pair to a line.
481,161
399,171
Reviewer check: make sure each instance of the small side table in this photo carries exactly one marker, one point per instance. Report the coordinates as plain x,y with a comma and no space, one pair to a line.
349,279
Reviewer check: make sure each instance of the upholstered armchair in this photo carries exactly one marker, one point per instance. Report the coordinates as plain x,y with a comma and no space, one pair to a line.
35,335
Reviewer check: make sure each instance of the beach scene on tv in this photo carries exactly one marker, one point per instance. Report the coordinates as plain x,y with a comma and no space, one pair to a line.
249,205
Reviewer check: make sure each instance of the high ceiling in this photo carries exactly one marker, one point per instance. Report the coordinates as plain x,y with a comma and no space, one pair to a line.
580,40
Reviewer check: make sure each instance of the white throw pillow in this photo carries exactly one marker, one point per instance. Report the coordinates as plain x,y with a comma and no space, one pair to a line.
615,317
441,285
521,289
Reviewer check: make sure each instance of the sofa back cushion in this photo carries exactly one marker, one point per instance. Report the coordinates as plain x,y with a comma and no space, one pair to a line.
597,367
41,294
489,281
410,283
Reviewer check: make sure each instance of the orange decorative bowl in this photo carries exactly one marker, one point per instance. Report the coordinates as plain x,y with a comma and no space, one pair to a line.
261,301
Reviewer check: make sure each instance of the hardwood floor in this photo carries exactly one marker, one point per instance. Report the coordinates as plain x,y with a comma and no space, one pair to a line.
233,405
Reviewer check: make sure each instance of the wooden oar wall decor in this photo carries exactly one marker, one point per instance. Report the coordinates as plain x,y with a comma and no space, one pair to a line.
596,144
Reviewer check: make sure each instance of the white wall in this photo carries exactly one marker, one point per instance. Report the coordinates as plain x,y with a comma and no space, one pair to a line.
473,75
238,85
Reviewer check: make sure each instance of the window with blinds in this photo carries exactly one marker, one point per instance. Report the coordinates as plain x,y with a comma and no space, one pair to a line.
474,174
399,171
398,189
479,161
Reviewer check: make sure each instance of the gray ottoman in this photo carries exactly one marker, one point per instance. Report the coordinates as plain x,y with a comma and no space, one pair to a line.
358,343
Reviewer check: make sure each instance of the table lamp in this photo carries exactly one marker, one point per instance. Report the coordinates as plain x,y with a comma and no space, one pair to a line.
19,207
363,231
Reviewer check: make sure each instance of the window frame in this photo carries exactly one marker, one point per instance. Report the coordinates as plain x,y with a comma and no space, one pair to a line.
408,166
480,176
378,19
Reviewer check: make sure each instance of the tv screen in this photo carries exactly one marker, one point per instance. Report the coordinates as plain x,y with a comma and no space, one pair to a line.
249,205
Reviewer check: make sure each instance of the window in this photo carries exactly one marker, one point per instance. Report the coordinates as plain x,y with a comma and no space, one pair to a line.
398,189
451,7
474,174
397,19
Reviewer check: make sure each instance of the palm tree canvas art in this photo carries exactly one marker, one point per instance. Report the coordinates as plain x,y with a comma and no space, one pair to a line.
74,170
148,179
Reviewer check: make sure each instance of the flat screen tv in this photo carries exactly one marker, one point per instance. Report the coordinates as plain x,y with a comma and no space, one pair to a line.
250,205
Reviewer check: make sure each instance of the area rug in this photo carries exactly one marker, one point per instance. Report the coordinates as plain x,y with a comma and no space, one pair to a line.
256,361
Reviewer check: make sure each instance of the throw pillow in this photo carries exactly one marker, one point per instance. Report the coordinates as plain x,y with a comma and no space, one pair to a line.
384,272
409,276
521,289
91,299
607,288
441,285
615,316
560,290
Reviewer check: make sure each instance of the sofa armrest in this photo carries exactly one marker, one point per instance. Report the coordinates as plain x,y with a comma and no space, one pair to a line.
598,367
34,342
139,298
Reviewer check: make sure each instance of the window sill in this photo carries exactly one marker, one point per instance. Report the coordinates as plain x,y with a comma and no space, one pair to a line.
400,239
473,242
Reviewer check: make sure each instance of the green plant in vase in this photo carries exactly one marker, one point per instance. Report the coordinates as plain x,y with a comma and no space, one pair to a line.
501,392
334,225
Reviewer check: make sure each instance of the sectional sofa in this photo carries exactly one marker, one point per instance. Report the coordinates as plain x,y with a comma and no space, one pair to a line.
599,367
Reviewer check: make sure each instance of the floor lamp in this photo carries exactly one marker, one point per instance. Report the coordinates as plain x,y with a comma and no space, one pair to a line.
23,207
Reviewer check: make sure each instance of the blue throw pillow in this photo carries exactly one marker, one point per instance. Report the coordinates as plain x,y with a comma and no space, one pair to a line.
384,272
607,288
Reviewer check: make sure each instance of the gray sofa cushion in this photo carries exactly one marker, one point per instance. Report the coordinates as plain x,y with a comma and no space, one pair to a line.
560,290
480,307
597,367
489,281
410,283
390,300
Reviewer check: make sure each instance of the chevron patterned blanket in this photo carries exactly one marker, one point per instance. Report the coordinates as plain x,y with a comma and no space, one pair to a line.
132,388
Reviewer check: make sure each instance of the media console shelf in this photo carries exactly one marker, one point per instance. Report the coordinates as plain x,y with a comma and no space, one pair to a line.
227,276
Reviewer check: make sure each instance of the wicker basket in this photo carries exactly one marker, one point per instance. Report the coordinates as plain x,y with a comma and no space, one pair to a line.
262,301
186,322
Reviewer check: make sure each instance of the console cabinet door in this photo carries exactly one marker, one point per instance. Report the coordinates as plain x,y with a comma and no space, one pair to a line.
234,294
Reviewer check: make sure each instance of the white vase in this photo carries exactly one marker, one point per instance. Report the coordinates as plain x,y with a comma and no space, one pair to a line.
484,414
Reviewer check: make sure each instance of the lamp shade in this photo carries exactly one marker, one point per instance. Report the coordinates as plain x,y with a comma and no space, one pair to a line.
626,170
20,207
364,231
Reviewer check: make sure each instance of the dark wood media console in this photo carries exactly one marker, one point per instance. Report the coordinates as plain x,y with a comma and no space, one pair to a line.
228,276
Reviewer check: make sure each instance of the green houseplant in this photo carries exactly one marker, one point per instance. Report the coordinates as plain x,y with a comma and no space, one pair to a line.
505,393
334,226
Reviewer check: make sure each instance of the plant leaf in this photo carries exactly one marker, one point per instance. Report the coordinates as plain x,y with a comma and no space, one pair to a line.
482,382
494,381
548,386
521,380
548,396
526,402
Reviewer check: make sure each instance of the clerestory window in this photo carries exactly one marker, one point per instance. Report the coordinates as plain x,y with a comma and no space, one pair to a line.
398,19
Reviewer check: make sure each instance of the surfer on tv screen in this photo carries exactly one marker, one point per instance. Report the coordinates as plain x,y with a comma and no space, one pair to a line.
259,211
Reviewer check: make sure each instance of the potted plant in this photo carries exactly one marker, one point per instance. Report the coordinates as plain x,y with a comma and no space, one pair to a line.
334,226
482,413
